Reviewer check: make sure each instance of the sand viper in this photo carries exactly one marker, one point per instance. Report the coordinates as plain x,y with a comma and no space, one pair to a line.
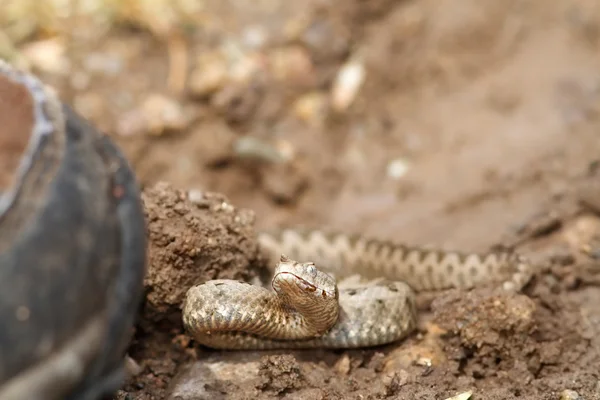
308,310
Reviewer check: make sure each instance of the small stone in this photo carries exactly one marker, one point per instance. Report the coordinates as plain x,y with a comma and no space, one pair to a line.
342,366
163,115
132,367
325,38
285,182
286,149
424,362
311,108
570,395
426,354
156,116
48,56
582,232
196,196
347,84
397,168
249,147
216,148
255,37
293,66
209,75
462,396
243,67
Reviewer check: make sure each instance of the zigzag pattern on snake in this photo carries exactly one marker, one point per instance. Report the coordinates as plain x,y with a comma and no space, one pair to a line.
308,310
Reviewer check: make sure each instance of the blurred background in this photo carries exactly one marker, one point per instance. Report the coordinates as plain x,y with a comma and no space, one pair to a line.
404,118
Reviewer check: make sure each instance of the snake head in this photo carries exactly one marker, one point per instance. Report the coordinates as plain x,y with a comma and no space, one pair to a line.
303,287
303,278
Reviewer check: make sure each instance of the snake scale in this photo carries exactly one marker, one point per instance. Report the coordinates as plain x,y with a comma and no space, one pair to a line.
307,309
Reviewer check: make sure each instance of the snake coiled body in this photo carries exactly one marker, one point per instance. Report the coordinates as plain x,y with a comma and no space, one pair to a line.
227,314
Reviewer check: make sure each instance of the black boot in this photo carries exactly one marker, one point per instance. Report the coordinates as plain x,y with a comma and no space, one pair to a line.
72,249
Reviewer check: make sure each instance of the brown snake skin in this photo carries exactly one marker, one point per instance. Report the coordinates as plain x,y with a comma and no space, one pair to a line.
227,314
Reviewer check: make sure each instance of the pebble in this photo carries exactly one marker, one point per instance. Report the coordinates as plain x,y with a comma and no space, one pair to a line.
461,396
347,84
325,38
397,168
156,116
47,56
209,75
132,367
582,232
293,66
223,67
217,145
342,366
426,354
311,108
242,66
248,147
424,362
163,114
570,395
196,196
254,37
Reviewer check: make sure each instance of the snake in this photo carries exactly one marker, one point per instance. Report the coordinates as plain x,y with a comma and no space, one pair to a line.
349,291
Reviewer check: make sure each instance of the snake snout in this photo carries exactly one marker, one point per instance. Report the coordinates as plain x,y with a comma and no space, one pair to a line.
287,281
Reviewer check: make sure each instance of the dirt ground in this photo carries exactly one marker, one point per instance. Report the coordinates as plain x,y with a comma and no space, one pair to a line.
461,125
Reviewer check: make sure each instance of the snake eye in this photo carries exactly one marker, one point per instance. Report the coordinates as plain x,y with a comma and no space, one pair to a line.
311,270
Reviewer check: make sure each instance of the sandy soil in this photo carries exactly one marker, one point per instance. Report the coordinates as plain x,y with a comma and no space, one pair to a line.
477,124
